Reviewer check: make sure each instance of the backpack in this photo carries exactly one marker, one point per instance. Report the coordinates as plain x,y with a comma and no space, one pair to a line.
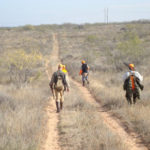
84,68
132,80
130,83
59,86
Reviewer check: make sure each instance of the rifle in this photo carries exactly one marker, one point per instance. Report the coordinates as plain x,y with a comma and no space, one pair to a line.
126,64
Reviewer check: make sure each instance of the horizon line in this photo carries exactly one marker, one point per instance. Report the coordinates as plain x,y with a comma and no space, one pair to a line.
61,24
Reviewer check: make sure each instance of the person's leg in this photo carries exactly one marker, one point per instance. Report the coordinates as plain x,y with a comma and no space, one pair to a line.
134,98
61,99
57,102
83,79
87,78
136,95
129,97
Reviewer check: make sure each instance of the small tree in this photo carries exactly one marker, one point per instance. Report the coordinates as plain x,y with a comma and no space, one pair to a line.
130,47
91,39
131,44
28,27
20,65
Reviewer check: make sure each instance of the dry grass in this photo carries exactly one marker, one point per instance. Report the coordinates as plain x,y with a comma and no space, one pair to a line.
81,127
106,61
21,111
22,115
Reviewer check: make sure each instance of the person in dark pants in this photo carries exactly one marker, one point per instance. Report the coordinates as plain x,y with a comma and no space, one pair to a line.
132,84
84,71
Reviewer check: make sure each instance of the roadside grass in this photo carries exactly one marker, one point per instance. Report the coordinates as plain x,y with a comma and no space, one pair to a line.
22,117
22,114
81,126
102,46
107,67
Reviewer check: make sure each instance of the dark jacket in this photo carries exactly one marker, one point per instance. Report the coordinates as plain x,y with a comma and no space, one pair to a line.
128,87
55,78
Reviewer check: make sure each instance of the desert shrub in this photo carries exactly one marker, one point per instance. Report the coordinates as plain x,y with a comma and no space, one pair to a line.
131,45
89,56
21,117
20,65
28,27
91,38
125,43
129,48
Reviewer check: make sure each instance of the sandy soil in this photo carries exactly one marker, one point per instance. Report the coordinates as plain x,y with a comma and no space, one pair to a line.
52,141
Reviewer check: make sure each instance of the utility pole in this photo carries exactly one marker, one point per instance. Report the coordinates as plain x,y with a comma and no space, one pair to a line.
106,15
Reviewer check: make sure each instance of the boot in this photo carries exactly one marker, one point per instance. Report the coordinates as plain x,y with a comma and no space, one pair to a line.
134,100
61,105
88,82
57,106
83,83
129,101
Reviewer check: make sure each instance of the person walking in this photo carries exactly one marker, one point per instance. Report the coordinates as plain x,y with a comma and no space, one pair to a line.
84,71
58,85
132,84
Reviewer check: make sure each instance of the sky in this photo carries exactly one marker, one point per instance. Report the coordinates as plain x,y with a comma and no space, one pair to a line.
36,12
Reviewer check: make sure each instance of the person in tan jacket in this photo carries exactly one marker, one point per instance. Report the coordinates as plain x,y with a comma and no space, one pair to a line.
58,85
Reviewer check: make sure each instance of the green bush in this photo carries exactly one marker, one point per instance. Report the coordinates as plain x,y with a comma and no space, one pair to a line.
131,44
91,38
28,27
20,65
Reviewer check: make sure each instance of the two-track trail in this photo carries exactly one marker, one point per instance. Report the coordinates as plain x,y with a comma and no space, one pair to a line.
131,140
52,137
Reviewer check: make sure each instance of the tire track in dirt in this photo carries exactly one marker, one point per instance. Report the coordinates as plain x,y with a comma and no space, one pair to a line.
130,139
52,137
52,141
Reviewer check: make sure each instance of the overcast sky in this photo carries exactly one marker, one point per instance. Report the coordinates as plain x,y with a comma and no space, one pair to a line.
21,12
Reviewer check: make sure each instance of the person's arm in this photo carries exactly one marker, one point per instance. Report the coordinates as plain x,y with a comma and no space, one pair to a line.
67,79
66,82
52,81
51,84
125,84
88,68
139,84
80,73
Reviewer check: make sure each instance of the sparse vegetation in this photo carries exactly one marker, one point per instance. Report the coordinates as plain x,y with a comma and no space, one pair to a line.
91,38
22,113
81,126
105,48
131,46
118,43
22,118
28,27
19,66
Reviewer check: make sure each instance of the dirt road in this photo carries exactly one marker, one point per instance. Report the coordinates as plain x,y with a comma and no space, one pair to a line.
131,140
52,140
